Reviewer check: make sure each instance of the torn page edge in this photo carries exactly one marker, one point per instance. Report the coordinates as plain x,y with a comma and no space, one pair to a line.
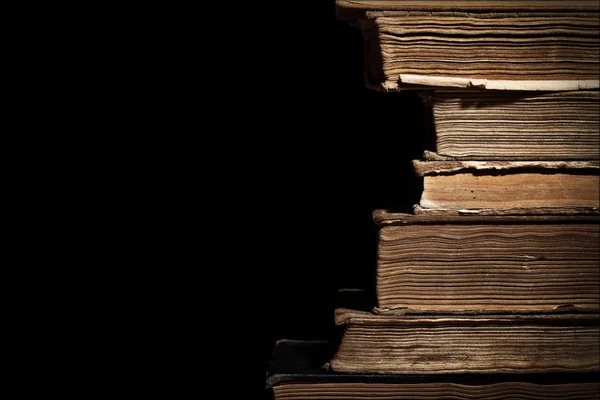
423,168
448,81
418,210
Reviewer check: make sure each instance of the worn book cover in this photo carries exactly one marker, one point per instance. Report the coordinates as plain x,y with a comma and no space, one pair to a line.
501,45
476,264
299,370
529,186
533,343
507,125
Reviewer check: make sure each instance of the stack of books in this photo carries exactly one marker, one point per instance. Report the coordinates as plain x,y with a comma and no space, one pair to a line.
490,287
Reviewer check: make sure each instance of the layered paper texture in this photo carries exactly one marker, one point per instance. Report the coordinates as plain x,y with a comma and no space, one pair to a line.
489,125
487,264
298,370
506,185
513,45
466,344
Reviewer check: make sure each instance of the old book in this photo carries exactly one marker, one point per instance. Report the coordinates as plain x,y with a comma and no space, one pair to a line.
493,44
477,264
506,125
486,344
298,371
508,185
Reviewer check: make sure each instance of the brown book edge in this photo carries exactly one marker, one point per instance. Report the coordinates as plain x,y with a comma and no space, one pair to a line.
433,156
346,316
427,167
353,10
382,217
395,5
564,211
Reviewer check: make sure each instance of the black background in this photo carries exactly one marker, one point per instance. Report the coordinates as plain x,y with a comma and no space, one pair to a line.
254,157
310,154
339,151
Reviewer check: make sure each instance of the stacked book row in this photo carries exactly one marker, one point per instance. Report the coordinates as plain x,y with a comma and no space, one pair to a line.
490,286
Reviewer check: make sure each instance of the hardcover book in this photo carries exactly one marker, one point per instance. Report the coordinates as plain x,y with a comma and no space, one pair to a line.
476,264
299,370
458,344
512,45
537,186
506,125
